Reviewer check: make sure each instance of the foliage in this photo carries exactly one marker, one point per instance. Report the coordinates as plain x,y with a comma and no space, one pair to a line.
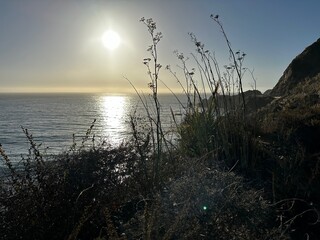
102,193
205,203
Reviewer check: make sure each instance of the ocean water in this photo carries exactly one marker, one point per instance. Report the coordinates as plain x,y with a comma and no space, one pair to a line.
52,119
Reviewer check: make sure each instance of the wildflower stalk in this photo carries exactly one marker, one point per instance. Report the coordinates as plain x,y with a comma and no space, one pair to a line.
237,61
153,72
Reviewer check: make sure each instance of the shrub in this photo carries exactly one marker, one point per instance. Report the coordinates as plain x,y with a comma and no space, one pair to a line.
205,203
74,194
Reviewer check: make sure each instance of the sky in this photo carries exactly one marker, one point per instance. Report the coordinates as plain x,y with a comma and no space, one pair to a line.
55,46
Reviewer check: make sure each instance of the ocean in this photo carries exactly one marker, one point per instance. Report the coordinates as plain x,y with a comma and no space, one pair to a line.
52,119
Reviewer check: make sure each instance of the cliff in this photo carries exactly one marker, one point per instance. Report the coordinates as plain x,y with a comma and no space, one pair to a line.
305,68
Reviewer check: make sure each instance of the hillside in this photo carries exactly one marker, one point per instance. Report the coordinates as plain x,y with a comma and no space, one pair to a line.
303,70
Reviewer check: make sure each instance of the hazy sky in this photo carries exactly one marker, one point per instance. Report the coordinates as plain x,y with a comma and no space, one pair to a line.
48,46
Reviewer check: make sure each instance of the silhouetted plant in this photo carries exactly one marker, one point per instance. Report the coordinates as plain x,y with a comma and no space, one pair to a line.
68,195
215,122
153,72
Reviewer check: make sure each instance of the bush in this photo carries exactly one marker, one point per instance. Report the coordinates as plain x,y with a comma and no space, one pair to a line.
205,203
70,196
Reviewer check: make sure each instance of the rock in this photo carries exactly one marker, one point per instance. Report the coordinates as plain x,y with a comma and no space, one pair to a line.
254,100
267,92
304,67
254,103
252,93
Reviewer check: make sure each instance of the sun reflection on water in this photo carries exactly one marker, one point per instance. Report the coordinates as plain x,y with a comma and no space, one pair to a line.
114,111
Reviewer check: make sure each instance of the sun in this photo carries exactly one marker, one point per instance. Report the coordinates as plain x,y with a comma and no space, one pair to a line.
110,39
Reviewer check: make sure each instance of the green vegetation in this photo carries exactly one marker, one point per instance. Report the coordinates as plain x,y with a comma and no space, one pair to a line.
233,174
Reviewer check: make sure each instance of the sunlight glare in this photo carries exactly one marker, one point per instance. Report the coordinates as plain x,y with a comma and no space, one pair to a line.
114,113
110,40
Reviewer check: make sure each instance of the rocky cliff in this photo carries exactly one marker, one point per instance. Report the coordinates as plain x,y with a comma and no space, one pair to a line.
304,68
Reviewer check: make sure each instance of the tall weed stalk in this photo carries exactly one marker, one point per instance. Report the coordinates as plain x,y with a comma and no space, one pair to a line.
154,67
215,122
